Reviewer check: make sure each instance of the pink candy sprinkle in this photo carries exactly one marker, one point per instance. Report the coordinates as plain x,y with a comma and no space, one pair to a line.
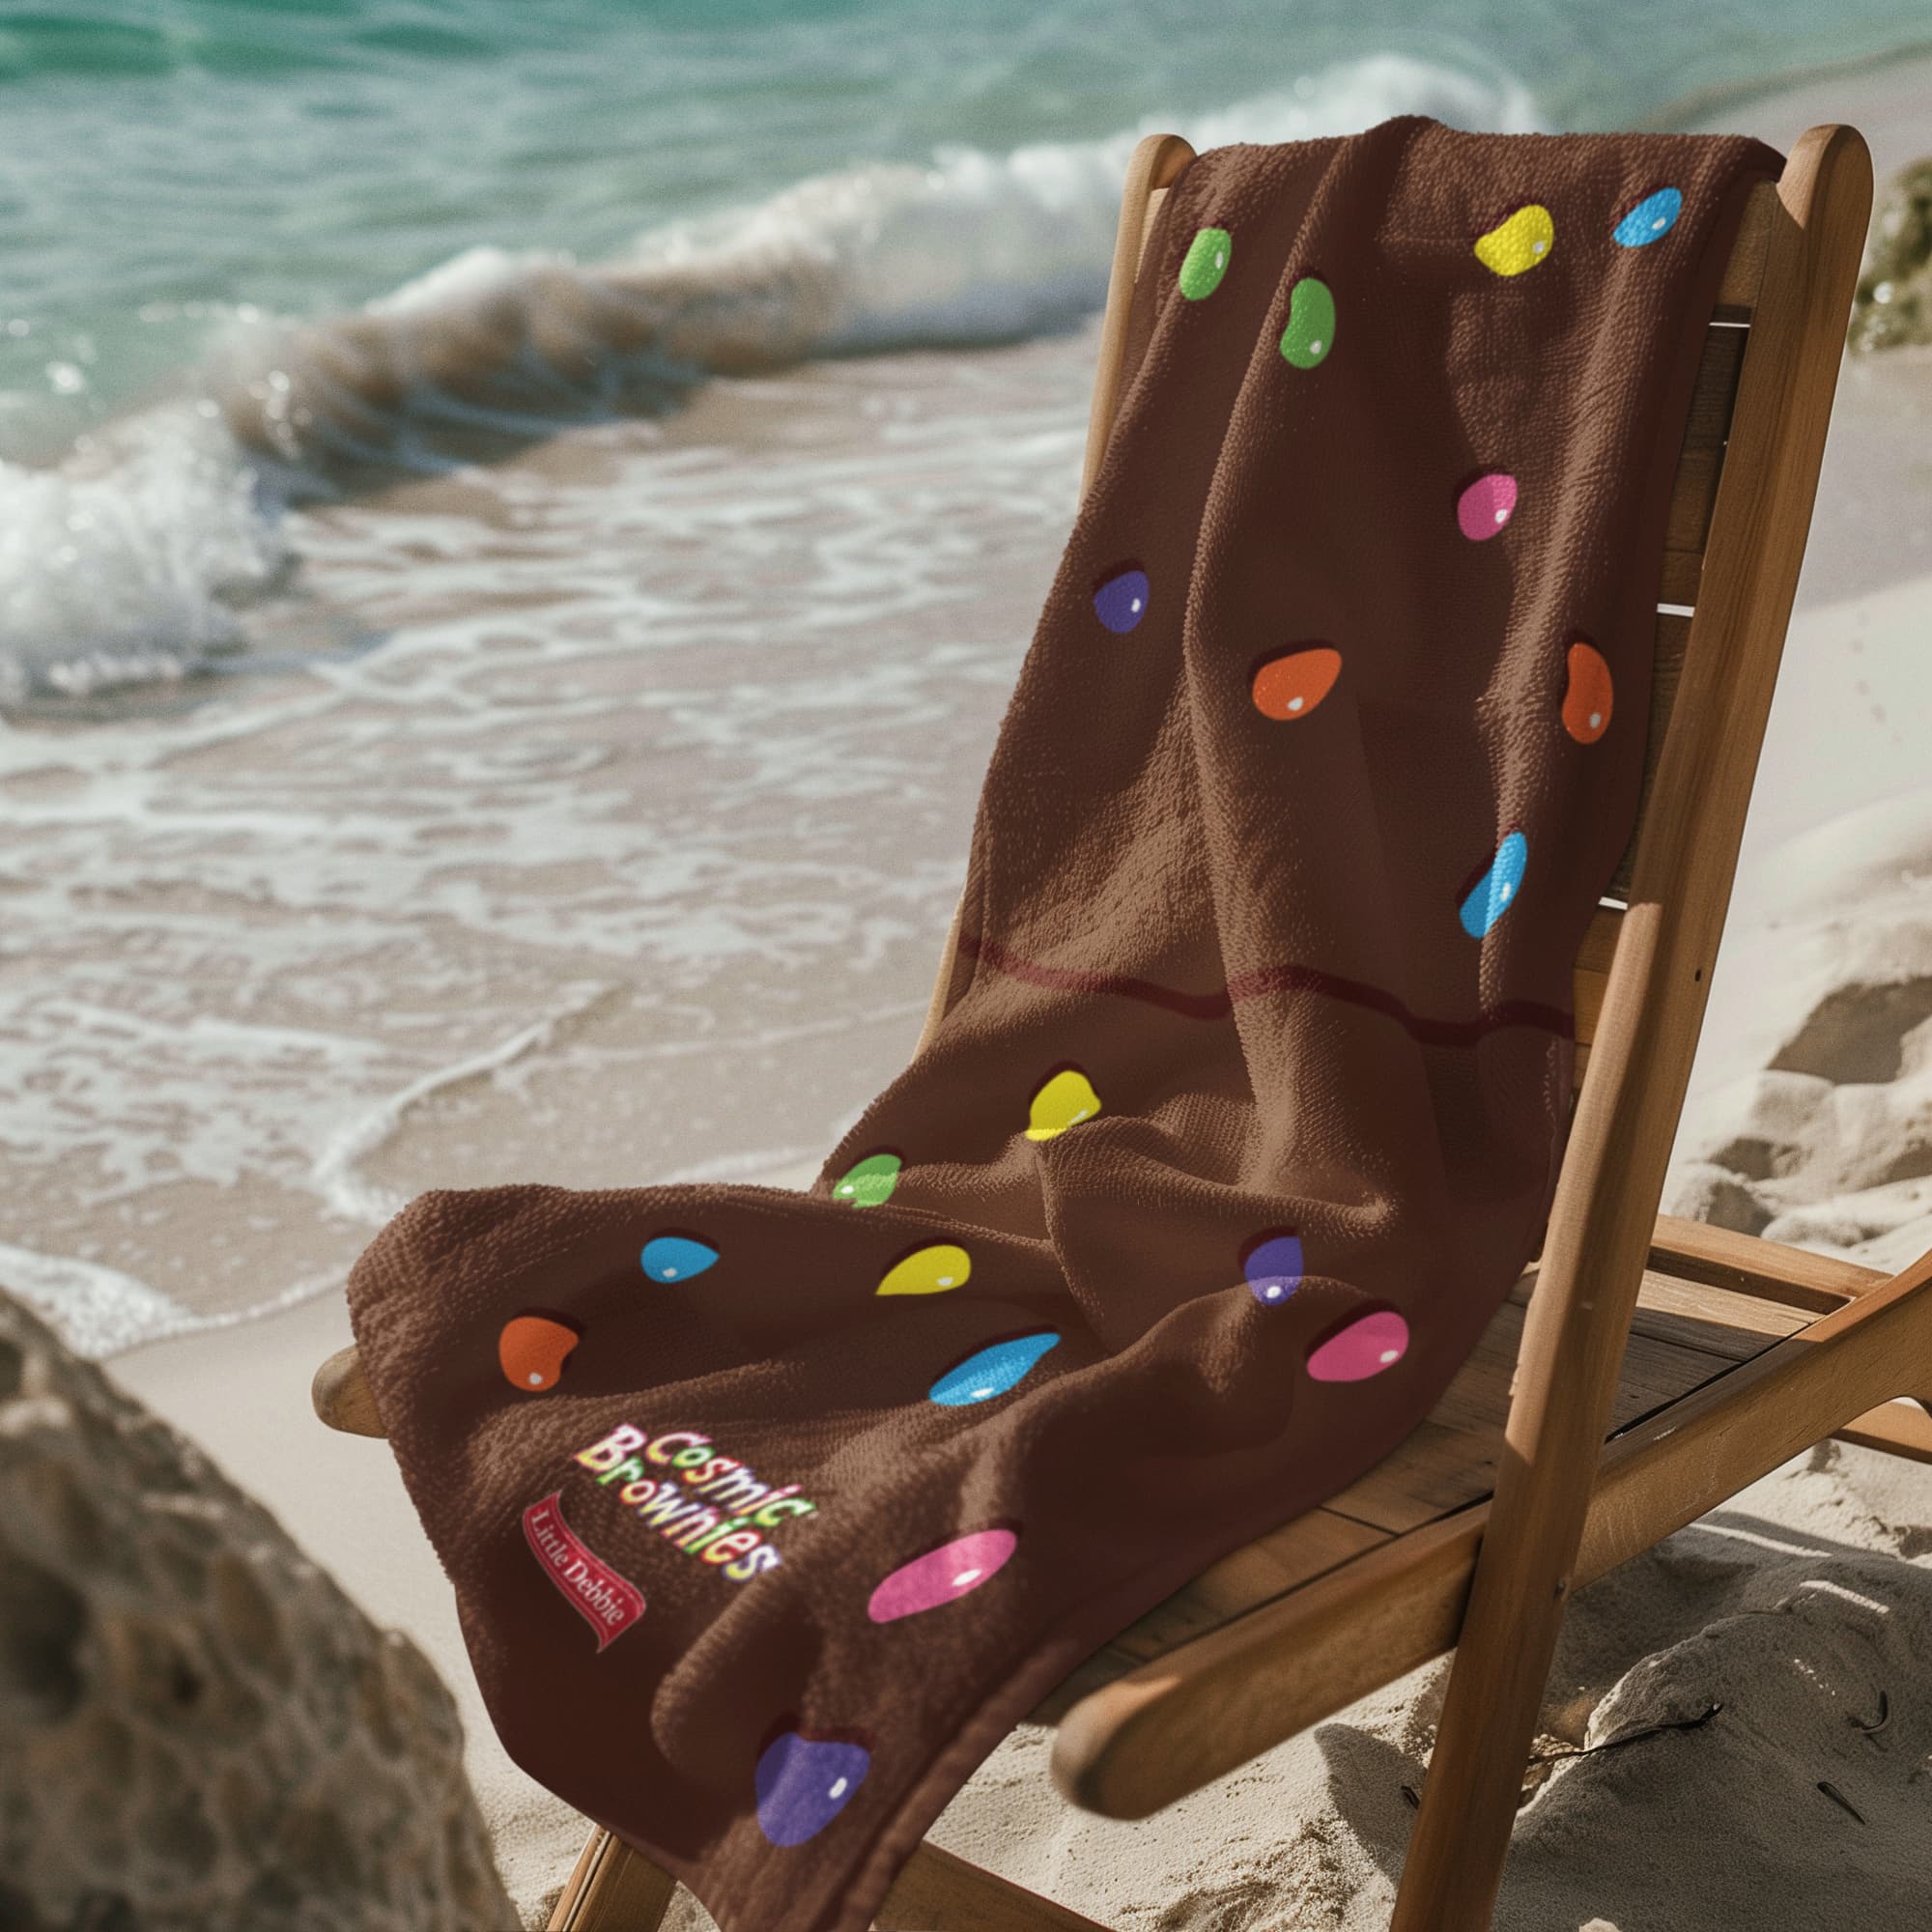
1486,505
941,1574
1363,1348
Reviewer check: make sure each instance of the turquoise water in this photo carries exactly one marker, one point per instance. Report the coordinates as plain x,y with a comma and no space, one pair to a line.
303,155
187,182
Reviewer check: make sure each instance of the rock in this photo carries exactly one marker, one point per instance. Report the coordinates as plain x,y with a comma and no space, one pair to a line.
198,1730
1893,301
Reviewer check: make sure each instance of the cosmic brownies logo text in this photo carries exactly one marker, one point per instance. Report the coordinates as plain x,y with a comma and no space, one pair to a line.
710,1505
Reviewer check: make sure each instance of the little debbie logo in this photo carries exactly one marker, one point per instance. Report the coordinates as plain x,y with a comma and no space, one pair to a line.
610,1604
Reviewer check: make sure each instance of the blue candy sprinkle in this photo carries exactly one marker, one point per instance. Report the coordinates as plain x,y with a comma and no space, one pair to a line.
1654,216
992,1371
1120,602
1494,893
676,1258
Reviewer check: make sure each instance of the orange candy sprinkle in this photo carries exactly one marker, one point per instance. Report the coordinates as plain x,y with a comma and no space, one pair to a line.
1587,703
1291,687
531,1349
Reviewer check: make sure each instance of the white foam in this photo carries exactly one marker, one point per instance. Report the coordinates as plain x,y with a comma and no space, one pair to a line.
95,1310
126,564
336,1174
98,1311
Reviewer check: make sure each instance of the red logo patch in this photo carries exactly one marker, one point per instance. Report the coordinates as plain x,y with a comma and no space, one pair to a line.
610,1604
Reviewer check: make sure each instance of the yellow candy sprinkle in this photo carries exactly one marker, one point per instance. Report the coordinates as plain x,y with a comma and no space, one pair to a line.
929,1272
1518,244
1064,1102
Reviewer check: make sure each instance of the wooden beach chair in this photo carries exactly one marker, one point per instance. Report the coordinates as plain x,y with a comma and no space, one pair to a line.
1647,1369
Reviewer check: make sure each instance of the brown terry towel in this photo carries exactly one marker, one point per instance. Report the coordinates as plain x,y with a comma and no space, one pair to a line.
769,1514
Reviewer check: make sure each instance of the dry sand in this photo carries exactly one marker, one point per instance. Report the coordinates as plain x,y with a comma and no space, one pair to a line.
1801,1609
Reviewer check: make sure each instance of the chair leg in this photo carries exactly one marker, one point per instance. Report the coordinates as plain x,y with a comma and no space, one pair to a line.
1486,1760
938,1893
612,1889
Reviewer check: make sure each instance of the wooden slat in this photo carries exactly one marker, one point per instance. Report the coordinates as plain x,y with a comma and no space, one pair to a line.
1701,459
1692,497
1667,676
1697,1252
1682,576
1714,1321
1744,271
1593,971
1715,396
1711,403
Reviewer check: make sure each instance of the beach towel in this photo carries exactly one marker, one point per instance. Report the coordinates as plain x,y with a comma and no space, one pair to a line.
769,1514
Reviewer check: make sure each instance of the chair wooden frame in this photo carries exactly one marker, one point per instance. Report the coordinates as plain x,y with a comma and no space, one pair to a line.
1661,1365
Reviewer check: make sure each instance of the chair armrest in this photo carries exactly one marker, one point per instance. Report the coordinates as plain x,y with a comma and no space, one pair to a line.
341,1398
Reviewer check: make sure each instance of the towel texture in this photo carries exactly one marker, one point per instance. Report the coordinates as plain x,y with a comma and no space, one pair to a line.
768,1514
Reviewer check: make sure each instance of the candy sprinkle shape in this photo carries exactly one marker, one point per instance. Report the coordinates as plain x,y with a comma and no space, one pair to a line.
1485,506
1207,262
531,1351
994,1371
1291,687
869,1183
1273,1267
803,1783
676,1257
1516,246
1120,598
929,1272
1309,333
942,1576
1586,702
1494,893
1362,1348
1063,1101
1652,218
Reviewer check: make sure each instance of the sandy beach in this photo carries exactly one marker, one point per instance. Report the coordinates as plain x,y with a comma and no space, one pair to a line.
599,820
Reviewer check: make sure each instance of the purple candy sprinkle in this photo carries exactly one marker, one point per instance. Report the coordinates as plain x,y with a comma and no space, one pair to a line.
804,1783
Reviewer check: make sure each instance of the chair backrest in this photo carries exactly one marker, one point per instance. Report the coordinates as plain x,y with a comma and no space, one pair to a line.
1159,159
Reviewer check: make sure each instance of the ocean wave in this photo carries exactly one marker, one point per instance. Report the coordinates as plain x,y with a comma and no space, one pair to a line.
134,559
973,249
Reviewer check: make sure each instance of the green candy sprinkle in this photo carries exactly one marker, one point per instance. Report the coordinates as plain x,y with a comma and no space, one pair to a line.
1208,257
870,1183
1309,333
